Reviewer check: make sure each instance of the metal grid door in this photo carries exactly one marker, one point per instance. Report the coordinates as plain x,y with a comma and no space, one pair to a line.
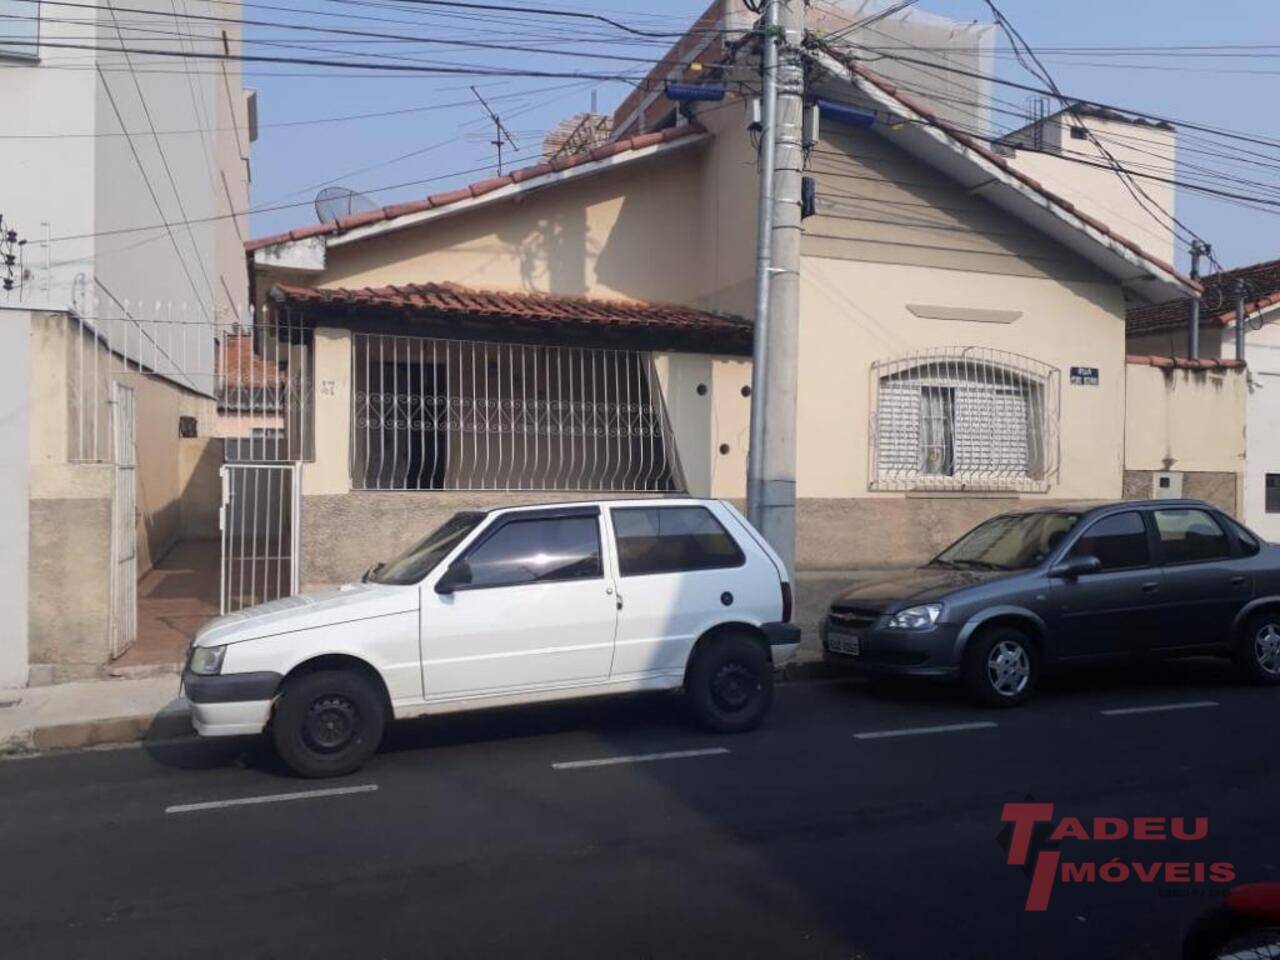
124,524
260,533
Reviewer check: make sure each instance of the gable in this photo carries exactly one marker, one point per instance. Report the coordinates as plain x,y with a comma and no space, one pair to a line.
877,203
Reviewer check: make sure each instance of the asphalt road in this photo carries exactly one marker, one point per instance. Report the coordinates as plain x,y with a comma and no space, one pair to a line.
485,836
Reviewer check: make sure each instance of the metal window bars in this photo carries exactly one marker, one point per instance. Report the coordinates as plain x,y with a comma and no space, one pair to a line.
434,414
964,418
248,378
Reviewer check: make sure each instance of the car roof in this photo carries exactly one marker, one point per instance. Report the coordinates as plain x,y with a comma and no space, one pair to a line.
657,498
1086,508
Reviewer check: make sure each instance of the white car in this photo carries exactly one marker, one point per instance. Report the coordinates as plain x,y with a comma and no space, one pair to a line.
505,607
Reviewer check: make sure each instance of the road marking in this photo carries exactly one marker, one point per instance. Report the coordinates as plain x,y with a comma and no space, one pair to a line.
271,798
914,731
638,758
1159,707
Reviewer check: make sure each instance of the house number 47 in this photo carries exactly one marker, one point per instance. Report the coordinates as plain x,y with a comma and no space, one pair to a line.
328,388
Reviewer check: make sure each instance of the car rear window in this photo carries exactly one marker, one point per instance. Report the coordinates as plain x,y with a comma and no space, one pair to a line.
672,540
1189,535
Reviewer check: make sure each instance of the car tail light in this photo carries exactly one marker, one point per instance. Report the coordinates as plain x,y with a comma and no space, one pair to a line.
786,602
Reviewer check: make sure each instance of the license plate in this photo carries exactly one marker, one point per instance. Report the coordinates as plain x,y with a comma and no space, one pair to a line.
848,644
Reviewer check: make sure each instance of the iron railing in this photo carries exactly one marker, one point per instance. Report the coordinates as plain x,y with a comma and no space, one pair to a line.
432,414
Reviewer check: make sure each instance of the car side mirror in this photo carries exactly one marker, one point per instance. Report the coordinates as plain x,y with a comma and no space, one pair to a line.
456,577
1074,567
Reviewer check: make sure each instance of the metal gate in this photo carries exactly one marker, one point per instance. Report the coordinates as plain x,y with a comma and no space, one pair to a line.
260,533
124,523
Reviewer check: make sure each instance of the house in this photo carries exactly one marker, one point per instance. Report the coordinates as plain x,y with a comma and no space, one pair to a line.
1163,329
962,333
127,192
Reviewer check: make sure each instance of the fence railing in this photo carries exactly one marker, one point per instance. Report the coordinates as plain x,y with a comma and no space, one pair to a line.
433,414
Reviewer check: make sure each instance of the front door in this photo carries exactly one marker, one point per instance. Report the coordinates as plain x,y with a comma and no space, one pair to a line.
539,610
1117,609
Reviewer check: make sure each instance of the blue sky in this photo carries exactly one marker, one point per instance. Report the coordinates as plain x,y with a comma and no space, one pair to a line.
442,139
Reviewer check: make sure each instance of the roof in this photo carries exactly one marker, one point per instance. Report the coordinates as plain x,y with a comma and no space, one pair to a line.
1217,306
1182,363
976,165
1096,111
245,368
449,302
526,178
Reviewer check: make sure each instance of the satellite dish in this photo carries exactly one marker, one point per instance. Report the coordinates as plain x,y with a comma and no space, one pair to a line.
334,203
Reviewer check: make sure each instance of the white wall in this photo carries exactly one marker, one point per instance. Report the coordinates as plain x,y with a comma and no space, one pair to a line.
86,177
1262,431
15,338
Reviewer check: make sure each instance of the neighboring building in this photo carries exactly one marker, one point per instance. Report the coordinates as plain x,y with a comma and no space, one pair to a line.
962,337
1163,329
112,326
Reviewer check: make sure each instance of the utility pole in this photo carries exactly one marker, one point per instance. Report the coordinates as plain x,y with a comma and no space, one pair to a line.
771,481
1240,295
1198,250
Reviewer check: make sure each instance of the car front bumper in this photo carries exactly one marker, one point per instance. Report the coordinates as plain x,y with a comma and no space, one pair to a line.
229,705
934,652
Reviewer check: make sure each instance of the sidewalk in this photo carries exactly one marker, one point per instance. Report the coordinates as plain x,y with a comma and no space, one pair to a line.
92,712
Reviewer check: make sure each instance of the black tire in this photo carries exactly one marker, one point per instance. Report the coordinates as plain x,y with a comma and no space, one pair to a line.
1258,649
1002,667
729,685
329,723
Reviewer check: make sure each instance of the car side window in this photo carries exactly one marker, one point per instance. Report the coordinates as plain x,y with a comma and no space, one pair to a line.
538,551
1190,535
1249,544
672,540
1119,542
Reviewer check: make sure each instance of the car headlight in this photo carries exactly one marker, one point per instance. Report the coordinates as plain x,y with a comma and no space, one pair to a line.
916,618
207,661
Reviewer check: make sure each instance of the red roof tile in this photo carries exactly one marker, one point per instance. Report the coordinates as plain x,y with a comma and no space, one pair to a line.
1182,363
523,175
245,368
1217,303
451,300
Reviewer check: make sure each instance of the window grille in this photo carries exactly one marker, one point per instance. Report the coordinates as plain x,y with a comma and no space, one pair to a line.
432,414
964,418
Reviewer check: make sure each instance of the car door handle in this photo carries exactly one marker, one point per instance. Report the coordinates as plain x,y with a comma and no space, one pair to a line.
1237,581
1151,586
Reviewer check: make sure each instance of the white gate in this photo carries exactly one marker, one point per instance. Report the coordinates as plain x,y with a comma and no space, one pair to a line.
124,523
260,533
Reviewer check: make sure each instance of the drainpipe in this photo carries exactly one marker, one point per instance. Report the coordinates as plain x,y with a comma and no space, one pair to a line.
1240,320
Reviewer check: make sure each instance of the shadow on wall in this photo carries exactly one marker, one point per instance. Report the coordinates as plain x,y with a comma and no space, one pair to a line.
553,256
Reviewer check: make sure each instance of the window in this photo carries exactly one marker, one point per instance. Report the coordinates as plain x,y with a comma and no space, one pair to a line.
1120,542
1273,493
1015,541
964,418
22,33
1249,544
1191,535
538,551
672,539
1079,133
420,559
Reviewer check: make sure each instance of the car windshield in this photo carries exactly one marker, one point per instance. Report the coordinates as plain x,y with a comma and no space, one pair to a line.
420,559
1017,541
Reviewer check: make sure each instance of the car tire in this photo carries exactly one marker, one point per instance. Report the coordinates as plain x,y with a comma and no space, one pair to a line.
729,685
1258,650
328,723
1002,668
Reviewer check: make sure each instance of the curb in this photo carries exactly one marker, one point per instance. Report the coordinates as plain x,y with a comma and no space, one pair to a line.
168,724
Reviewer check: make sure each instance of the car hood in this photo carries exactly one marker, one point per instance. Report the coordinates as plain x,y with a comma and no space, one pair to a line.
322,608
921,585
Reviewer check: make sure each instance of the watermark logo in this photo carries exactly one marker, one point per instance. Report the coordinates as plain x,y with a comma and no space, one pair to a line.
1032,840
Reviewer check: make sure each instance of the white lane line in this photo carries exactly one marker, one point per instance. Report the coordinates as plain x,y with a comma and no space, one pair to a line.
1159,708
271,798
638,758
914,731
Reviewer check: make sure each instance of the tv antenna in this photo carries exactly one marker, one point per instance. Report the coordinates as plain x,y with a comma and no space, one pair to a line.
500,133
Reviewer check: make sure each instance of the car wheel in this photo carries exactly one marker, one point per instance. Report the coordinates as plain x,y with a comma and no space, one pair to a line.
329,723
1258,652
730,684
1002,668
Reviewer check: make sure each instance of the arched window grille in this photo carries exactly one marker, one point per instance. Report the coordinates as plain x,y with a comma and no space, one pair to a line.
964,418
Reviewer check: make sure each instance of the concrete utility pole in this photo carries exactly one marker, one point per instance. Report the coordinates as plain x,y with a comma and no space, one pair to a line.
1198,250
1240,330
771,475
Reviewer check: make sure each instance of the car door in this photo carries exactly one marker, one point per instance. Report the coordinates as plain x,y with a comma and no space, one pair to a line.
679,569
1207,582
1117,609
536,608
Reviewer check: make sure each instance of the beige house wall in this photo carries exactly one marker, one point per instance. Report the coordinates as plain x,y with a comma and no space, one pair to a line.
1189,420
